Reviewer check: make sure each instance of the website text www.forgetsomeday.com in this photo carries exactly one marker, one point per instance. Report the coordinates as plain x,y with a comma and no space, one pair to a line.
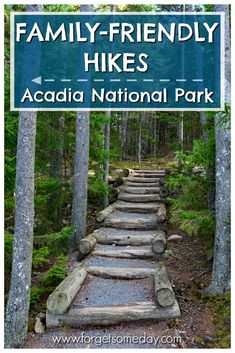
117,339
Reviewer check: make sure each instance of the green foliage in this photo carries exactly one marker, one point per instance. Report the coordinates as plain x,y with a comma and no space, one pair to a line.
51,193
189,205
40,257
56,273
96,189
221,307
138,8
194,222
202,154
59,242
8,241
96,153
35,295
224,120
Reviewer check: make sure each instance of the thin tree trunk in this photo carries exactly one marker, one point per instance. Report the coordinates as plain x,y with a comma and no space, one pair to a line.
200,74
80,178
81,161
16,322
154,136
220,282
107,146
123,134
203,122
139,142
181,123
106,162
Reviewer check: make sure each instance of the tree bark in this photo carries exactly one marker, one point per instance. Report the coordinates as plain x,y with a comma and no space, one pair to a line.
139,143
106,161
18,301
123,135
203,124
80,178
220,282
16,323
107,147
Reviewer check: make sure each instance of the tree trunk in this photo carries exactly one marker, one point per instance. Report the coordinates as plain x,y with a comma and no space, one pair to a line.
106,161
19,294
123,134
220,282
80,178
107,146
203,124
139,141
16,323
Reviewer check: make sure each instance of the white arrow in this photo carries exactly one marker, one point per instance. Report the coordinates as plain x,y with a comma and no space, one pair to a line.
38,80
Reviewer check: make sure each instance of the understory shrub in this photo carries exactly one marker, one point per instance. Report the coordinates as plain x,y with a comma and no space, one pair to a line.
189,191
56,273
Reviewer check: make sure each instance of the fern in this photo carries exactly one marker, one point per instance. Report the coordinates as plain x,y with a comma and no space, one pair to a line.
194,222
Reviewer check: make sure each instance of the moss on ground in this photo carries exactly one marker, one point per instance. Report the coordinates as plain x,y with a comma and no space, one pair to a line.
221,307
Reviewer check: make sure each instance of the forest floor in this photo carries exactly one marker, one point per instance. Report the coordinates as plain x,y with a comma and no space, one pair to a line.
201,324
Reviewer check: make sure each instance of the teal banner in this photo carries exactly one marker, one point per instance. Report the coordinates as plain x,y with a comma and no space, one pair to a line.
123,61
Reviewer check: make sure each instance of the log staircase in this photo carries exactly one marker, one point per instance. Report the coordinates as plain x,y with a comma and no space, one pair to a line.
122,277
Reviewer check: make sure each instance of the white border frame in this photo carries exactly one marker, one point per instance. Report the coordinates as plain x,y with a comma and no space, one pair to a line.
12,60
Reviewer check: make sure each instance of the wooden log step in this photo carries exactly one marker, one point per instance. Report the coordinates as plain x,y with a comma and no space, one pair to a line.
113,314
136,179
86,244
104,213
124,196
121,273
164,294
148,171
148,175
132,183
131,221
137,207
140,190
162,214
61,298
127,253
124,239
159,242
124,232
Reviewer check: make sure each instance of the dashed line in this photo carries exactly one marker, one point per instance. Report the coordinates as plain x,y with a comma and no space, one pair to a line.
128,80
